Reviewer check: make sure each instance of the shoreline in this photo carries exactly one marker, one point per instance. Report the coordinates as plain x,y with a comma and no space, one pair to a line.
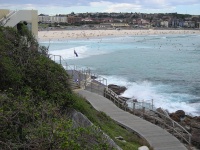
87,34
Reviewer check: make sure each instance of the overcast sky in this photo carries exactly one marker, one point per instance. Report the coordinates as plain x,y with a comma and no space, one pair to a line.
53,7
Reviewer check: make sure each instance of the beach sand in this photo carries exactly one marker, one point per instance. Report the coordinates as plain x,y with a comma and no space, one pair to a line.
86,34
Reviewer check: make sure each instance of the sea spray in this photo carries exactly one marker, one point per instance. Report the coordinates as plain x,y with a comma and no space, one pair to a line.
162,67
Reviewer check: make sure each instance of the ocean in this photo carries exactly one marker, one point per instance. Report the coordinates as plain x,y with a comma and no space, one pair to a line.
165,68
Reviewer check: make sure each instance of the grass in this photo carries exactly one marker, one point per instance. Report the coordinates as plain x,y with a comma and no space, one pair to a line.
110,127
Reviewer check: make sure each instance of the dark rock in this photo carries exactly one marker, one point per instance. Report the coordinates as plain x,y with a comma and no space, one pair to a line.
93,77
196,137
197,119
161,111
195,125
175,117
180,113
187,120
117,89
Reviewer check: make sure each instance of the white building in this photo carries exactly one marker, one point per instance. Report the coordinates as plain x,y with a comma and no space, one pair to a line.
52,19
12,18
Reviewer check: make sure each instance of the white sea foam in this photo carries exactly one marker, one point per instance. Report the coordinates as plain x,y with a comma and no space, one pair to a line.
163,85
146,91
82,51
69,53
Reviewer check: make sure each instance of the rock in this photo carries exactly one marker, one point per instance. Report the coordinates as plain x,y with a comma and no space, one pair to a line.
187,120
196,137
175,117
197,118
80,120
195,125
117,89
143,148
161,111
180,113
120,138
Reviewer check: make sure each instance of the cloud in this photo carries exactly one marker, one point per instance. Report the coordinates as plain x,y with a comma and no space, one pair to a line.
123,7
99,6
115,7
139,5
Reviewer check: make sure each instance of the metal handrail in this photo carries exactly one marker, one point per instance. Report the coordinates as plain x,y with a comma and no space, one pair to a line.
168,122
7,16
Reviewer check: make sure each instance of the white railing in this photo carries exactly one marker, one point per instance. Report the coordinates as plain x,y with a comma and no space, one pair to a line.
147,110
144,109
4,20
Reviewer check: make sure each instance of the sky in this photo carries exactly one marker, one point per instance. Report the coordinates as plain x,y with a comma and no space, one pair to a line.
53,7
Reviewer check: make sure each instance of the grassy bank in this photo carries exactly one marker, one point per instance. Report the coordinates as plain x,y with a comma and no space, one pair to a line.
35,96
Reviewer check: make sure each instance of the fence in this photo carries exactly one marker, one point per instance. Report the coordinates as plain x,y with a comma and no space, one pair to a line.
143,109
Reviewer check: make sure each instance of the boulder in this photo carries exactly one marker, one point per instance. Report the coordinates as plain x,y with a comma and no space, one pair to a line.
195,125
180,113
175,117
196,137
117,89
197,118
161,111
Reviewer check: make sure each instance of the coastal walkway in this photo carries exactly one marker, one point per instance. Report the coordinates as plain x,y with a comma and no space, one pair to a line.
157,138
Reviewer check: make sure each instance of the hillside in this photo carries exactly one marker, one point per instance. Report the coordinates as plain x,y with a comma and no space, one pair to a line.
36,99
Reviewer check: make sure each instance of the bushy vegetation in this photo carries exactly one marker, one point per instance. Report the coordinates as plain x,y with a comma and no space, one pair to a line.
35,96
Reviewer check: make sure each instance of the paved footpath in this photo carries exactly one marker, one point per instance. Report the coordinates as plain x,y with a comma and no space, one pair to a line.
158,138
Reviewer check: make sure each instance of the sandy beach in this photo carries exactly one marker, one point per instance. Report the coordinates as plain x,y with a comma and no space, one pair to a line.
86,34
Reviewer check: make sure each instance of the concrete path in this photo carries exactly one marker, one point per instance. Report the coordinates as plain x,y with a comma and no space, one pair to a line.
158,138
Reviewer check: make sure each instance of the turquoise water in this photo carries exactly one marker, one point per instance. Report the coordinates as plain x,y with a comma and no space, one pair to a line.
165,68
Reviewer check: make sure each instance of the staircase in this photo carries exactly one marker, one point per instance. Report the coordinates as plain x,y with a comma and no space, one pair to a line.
74,85
13,18
6,18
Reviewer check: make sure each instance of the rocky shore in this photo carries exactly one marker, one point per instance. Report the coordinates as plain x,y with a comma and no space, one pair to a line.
191,124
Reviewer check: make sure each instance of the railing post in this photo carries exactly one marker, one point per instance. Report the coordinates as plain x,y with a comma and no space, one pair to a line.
189,139
142,103
173,126
98,87
143,111
125,105
91,86
133,107
85,80
79,79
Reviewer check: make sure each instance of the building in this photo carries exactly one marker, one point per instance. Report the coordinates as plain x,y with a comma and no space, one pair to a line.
52,19
73,19
12,18
164,24
44,18
118,25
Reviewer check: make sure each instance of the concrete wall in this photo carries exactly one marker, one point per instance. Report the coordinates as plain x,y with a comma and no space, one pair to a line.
3,12
35,22
30,16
